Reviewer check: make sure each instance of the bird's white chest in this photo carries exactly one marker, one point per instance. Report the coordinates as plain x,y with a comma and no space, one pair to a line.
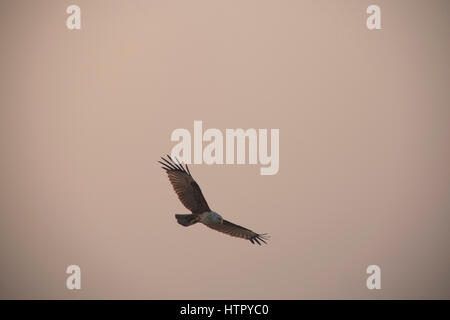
210,217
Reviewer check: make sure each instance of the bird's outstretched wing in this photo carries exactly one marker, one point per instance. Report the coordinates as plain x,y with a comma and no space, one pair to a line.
240,232
187,189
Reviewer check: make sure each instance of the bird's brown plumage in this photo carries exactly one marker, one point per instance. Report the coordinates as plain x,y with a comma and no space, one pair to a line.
186,188
191,196
234,230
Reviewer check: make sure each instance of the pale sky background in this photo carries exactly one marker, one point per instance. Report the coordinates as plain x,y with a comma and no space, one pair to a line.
364,125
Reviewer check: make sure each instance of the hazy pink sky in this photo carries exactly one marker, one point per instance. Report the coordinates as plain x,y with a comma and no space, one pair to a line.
364,126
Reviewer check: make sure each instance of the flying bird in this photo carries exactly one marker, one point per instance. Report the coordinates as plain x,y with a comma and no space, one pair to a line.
191,197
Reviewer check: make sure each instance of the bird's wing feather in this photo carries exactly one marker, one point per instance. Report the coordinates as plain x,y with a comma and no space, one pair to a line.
237,231
187,189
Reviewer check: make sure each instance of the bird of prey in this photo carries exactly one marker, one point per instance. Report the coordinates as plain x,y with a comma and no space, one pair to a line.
191,197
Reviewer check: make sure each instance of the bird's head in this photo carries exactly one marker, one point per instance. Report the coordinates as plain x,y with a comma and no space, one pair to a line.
217,217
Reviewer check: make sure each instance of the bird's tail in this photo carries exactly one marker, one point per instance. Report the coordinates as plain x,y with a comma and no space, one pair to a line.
186,219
